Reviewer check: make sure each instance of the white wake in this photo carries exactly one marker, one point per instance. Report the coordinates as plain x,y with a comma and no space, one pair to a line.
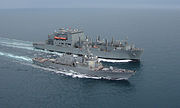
22,45
113,61
24,58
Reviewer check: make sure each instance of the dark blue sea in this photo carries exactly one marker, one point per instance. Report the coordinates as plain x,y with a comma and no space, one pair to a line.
156,83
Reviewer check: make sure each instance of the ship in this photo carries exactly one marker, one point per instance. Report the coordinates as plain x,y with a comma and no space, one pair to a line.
87,65
73,41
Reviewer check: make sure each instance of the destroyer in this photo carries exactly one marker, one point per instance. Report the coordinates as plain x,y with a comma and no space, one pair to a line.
72,41
87,65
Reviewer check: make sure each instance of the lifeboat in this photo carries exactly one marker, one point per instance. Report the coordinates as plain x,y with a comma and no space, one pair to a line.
95,46
62,38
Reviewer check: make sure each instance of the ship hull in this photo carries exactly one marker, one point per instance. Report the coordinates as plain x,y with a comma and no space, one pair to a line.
117,54
85,71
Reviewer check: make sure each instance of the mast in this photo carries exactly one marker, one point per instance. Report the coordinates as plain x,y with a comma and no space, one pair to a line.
106,42
87,48
79,41
98,38
112,41
126,43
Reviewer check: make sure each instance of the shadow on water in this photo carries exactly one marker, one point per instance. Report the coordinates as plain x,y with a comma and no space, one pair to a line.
88,82
122,82
108,86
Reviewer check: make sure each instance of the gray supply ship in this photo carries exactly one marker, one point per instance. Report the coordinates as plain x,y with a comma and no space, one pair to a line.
86,65
72,41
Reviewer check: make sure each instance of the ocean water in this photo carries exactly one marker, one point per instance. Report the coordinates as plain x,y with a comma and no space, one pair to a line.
156,83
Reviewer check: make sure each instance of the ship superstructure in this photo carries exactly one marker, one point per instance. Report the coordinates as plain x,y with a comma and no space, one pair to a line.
85,65
73,41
